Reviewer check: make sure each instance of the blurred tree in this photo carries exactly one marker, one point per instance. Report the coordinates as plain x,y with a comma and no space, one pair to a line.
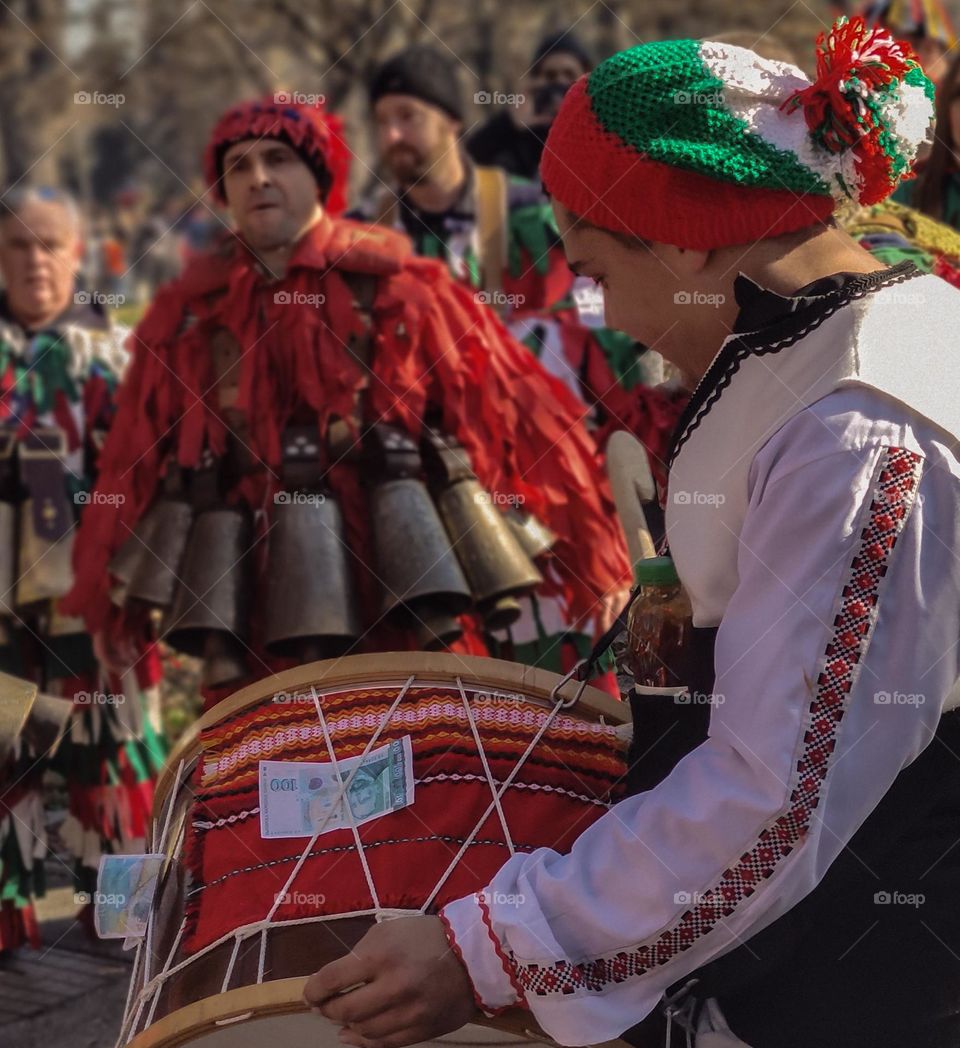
36,86
177,63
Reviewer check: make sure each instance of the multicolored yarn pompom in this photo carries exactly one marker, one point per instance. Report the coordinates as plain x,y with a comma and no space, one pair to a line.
703,144
868,98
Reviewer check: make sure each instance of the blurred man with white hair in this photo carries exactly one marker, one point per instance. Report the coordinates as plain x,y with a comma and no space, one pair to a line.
61,357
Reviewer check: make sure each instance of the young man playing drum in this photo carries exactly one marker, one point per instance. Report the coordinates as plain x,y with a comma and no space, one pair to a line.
794,879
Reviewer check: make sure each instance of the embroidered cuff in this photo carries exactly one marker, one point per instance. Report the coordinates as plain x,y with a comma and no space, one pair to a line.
467,925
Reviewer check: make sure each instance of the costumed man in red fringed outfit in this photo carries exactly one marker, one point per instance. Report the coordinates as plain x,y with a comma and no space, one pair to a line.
61,357
326,445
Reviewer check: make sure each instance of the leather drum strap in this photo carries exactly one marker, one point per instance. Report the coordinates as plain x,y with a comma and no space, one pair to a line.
225,350
341,438
491,190
387,210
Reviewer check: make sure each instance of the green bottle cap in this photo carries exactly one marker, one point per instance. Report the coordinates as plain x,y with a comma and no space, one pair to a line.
656,571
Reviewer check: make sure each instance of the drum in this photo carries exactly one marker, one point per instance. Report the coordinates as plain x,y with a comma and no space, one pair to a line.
503,758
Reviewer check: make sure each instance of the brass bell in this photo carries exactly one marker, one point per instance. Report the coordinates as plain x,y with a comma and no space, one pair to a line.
435,631
501,613
419,571
48,571
492,557
17,697
154,578
536,538
209,617
311,609
48,722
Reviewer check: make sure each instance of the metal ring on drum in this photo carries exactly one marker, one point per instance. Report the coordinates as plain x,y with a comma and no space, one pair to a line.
505,757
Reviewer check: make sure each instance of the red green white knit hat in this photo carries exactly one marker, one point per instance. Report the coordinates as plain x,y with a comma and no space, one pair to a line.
704,145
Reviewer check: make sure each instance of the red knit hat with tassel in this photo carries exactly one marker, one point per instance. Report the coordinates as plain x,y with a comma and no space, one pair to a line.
315,134
703,144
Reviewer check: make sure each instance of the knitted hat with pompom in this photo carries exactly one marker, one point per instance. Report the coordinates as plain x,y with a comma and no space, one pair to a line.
705,145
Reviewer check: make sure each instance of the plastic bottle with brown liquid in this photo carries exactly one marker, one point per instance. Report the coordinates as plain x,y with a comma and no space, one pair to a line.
659,657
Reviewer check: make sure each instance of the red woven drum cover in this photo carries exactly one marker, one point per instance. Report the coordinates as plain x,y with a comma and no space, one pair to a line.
567,782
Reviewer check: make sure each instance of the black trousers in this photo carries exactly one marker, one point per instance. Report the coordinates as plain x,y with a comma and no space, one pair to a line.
871,958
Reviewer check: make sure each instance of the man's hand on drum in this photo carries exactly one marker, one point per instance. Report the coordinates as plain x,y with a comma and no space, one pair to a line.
400,984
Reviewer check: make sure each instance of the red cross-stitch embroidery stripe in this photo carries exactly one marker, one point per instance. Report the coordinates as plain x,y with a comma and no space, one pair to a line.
893,496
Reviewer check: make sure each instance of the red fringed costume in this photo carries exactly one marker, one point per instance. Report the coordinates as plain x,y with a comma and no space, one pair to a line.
434,351
433,345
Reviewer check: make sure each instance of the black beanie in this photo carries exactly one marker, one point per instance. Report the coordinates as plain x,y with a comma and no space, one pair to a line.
563,43
424,73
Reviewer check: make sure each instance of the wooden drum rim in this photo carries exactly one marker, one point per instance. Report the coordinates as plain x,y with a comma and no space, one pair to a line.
285,997
393,668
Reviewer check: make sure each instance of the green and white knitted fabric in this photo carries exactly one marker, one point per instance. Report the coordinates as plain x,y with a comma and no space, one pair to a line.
704,144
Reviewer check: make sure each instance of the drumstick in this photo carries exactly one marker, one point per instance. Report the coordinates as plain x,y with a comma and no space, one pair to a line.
632,483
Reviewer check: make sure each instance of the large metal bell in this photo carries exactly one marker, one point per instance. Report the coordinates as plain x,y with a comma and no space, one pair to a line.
209,617
311,610
155,576
123,563
47,571
488,550
224,659
422,579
